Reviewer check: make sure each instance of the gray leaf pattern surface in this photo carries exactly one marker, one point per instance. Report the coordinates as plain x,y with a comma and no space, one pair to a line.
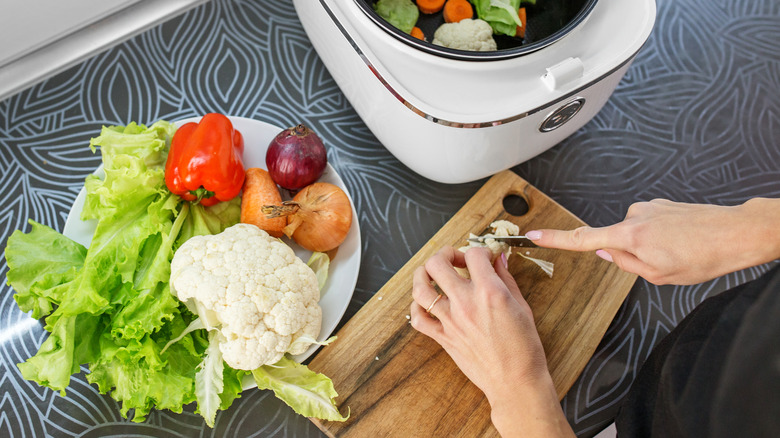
695,119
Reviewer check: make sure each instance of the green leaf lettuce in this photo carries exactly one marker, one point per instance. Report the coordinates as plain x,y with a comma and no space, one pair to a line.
308,393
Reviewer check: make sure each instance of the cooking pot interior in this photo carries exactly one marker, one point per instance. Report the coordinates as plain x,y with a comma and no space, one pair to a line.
547,21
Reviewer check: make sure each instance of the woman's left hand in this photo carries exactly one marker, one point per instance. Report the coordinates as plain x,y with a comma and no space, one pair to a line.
488,329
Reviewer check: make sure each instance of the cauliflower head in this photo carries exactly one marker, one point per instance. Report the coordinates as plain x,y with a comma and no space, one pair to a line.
467,34
253,289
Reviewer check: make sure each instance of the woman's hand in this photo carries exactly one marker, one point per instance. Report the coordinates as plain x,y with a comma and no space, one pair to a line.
487,328
676,243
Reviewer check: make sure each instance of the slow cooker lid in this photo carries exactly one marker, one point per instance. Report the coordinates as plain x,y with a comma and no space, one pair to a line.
548,21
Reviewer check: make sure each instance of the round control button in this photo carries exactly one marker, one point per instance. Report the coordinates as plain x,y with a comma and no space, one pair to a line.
562,115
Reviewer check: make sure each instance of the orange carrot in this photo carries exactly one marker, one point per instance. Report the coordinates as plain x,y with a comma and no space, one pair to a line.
259,190
430,6
456,10
417,33
521,29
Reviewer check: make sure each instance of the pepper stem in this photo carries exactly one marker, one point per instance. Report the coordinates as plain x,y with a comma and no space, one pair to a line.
201,193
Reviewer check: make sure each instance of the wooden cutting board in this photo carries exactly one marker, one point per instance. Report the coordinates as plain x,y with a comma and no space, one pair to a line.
396,382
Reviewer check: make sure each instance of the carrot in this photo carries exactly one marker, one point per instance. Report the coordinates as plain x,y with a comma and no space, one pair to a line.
430,6
259,190
521,29
417,33
456,10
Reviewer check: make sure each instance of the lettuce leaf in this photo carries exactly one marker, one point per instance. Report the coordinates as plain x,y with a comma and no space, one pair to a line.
73,340
402,14
41,264
319,262
208,380
135,140
109,306
138,377
500,14
202,221
308,393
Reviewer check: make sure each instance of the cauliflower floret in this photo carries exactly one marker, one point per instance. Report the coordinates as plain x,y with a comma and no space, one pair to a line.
467,34
504,228
500,228
253,289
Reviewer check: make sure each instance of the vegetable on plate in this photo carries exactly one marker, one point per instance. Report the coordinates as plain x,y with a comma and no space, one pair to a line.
259,190
110,307
259,302
251,287
296,157
318,217
205,162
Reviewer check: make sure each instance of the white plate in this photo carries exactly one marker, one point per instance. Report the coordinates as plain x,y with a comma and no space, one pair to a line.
345,265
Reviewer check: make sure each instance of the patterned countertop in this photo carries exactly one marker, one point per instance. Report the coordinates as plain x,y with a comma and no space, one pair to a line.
697,119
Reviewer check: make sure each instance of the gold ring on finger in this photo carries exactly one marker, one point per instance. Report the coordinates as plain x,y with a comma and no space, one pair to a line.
435,300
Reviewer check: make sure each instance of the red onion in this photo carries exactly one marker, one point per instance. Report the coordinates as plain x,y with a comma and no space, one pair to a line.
296,158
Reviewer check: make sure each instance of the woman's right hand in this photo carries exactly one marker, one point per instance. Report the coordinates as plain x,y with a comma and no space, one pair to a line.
668,242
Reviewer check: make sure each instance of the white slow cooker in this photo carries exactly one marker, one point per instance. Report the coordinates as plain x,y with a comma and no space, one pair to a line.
455,116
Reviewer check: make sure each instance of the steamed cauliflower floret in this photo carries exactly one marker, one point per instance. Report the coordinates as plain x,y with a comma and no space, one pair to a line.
467,34
253,289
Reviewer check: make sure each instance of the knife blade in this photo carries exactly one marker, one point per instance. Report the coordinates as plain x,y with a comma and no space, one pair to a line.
522,241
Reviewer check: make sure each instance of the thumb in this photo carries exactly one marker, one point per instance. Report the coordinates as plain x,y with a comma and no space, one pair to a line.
579,239
626,261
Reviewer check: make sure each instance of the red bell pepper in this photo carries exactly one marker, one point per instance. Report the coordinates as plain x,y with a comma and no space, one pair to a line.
205,162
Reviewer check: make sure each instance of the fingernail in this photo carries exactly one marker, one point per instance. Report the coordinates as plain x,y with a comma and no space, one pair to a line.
604,255
533,235
504,260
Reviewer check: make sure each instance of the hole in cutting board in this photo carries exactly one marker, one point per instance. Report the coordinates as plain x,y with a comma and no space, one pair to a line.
515,205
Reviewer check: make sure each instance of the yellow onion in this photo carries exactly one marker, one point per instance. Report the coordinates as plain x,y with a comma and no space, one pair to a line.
318,217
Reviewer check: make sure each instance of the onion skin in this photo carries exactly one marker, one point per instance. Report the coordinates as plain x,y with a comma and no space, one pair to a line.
318,217
296,158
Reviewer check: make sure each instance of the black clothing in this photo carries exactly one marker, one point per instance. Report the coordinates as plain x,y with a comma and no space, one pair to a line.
717,374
